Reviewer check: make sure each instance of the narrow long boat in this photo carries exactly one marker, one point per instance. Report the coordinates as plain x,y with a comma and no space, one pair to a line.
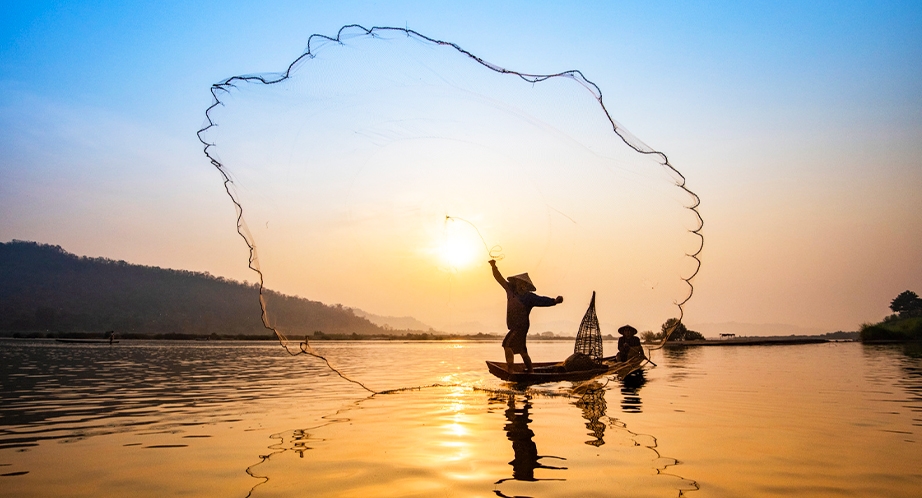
555,372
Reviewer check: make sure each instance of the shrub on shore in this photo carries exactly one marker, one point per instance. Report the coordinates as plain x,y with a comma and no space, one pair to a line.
905,324
681,333
907,329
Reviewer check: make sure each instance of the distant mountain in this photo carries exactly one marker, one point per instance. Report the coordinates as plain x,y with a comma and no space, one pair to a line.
753,329
44,288
395,323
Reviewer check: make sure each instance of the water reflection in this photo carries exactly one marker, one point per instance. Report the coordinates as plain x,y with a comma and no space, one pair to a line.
299,442
593,406
737,417
909,396
912,380
526,451
676,354
913,349
630,390
70,392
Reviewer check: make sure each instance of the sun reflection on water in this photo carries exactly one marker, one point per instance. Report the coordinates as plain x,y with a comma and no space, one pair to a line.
456,425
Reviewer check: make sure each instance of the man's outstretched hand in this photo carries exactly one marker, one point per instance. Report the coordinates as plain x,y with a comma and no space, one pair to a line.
492,262
559,299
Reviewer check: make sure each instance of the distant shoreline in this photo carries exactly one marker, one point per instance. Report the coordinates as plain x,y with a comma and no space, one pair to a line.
423,336
395,339
755,341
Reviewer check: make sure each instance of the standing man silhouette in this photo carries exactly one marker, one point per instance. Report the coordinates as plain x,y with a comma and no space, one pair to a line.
520,299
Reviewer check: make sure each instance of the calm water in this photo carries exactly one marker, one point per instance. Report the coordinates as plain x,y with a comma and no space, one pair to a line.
238,419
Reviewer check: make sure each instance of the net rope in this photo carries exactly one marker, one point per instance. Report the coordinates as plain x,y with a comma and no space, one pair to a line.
494,253
223,88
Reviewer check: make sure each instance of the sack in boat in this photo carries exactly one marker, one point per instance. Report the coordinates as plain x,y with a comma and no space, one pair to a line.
578,362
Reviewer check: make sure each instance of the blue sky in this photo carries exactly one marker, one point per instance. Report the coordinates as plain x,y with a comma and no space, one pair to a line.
798,125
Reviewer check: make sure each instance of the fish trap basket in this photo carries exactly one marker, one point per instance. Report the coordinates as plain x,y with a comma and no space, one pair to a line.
589,337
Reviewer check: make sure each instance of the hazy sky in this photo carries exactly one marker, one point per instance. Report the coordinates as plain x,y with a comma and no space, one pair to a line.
800,127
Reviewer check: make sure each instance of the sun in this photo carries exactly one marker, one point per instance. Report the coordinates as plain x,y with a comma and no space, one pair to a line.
457,250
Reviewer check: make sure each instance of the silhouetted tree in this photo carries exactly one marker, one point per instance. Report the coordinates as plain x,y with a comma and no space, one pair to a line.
650,336
907,304
681,333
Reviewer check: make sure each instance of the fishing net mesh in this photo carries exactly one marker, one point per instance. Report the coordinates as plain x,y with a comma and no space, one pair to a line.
348,170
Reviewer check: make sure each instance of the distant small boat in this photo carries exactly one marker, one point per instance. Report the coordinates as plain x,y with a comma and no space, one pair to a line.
555,371
87,341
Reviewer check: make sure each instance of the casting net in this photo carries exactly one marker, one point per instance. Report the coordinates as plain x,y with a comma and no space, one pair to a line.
383,169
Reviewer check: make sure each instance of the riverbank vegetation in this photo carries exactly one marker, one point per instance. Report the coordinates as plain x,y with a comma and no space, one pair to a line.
681,333
905,324
893,329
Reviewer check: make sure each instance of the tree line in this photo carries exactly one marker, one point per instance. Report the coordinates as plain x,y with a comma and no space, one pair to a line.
681,333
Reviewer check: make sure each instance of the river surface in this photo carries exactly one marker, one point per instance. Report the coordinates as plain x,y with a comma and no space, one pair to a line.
243,419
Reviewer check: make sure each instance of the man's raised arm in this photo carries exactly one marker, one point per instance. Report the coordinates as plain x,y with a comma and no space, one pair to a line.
498,276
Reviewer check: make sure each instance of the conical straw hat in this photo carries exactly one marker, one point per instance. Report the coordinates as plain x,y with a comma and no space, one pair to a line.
627,330
524,278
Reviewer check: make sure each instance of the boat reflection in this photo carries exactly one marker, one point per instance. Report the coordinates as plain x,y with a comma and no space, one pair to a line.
526,458
593,405
630,390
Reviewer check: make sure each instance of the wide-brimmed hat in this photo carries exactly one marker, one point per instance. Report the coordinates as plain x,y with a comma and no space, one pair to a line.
523,277
627,330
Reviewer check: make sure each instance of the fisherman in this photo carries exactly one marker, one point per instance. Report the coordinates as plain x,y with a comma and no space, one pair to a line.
628,344
520,299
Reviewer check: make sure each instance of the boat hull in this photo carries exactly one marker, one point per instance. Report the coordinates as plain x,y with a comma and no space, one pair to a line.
554,371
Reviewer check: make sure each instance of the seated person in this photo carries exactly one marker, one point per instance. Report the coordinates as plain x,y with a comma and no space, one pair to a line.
628,344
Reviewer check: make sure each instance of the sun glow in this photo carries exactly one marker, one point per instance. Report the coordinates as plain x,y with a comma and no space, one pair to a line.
458,250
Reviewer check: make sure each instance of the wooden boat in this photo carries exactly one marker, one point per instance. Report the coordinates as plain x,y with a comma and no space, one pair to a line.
588,343
555,372
87,341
